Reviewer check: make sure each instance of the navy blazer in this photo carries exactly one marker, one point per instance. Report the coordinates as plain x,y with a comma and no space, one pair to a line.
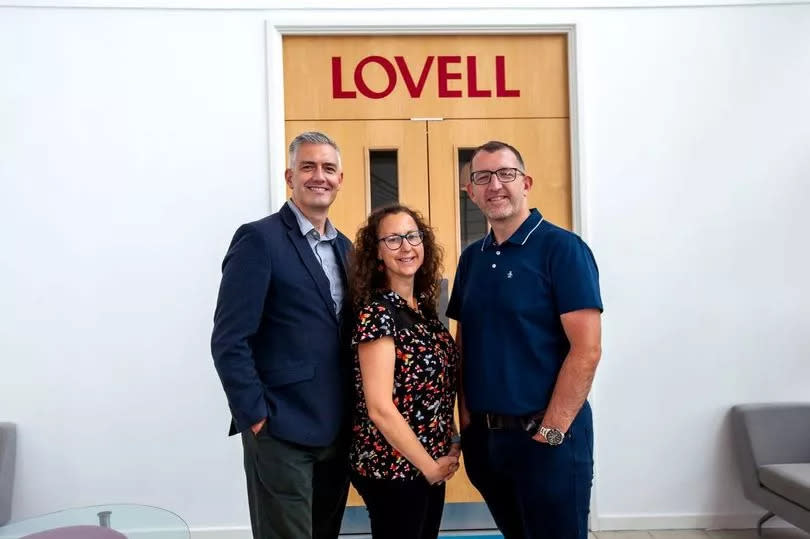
277,343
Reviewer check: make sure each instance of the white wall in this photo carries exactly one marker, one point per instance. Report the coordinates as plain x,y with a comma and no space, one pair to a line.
133,142
697,133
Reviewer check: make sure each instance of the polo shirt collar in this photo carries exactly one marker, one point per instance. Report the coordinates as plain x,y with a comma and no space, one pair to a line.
521,235
306,227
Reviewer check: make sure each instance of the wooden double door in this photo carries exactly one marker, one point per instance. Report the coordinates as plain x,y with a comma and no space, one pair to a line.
407,110
425,164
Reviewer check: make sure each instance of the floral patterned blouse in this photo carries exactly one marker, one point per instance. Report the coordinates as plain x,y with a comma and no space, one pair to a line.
424,387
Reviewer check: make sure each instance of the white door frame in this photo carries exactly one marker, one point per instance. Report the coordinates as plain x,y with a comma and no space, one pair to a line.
330,22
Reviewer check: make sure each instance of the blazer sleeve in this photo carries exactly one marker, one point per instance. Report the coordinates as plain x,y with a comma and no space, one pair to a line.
245,280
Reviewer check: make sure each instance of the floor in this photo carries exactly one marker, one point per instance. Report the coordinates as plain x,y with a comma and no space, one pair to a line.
770,533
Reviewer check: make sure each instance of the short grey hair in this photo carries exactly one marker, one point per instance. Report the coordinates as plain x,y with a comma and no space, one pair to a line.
311,137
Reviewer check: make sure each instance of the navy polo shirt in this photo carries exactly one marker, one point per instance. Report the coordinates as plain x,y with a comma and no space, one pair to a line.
508,299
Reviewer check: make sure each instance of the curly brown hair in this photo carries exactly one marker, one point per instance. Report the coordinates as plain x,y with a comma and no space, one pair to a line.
365,275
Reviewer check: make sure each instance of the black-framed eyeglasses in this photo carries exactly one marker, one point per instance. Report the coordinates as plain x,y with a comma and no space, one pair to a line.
505,175
394,241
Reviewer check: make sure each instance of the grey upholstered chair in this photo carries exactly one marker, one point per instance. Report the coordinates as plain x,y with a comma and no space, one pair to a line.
8,452
772,442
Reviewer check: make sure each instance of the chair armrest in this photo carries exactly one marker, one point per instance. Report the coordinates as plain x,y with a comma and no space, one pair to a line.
8,454
778,433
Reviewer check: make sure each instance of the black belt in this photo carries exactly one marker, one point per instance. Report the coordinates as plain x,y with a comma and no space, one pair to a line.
508,422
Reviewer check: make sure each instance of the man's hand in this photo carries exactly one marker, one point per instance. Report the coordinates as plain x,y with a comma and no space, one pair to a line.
540,438
258,426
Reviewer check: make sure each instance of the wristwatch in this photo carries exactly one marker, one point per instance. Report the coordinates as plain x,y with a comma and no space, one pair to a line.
552,435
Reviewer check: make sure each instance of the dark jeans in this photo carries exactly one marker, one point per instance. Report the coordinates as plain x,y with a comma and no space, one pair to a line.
533,490
401,509
294,491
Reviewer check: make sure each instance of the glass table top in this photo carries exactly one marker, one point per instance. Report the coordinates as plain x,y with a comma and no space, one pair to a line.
132,521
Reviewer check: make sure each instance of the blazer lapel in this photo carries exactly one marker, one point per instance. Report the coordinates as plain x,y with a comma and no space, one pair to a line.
315,270
308,258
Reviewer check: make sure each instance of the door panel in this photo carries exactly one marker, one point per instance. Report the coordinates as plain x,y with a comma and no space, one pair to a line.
448,76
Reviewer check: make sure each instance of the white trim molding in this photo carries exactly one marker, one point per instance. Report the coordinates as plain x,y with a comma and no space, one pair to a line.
241,532
276,137
221,532
684,522
608,523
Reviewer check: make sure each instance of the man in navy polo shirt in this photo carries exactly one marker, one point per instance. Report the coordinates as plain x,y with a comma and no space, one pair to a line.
527,298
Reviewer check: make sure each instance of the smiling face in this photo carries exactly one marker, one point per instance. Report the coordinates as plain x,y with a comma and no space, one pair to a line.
405,261
315,177
500,201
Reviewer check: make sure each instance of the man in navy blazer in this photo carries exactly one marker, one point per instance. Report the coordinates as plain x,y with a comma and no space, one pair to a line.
281,355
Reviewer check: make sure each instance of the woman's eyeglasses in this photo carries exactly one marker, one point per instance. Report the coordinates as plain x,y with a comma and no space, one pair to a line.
394,241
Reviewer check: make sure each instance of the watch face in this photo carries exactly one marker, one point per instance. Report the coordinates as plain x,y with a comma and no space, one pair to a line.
554,437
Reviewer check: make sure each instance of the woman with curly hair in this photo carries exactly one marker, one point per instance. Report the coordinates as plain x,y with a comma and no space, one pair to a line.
404,439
